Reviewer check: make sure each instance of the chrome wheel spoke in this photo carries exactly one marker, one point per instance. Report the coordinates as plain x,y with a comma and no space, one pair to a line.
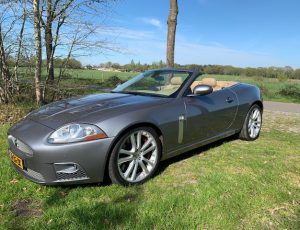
252,132
124,159
141,163
129,169
133,142
139,140
148,162
153,147
123,151
255,114
133,175
147,143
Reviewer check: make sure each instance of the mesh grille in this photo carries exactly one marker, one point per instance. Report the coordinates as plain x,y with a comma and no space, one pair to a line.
80,174
34,174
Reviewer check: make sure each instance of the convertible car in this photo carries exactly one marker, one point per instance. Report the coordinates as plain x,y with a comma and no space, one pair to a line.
126,133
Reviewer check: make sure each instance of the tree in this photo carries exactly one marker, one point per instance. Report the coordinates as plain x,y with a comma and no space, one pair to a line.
9,48
38,49
5,88
172,23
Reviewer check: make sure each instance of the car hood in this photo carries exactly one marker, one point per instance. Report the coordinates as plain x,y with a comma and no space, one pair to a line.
62,112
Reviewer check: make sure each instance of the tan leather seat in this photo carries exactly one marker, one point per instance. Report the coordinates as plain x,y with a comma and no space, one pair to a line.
217,85
176,81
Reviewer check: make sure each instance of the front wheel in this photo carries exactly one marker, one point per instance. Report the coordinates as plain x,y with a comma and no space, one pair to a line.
135,157
252,125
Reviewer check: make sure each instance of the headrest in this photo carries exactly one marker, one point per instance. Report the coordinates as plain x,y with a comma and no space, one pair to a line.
176,81
209,81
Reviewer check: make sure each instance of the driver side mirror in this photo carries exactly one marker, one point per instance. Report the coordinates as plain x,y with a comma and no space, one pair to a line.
201,90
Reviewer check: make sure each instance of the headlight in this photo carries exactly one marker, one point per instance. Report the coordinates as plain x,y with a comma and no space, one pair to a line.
76,132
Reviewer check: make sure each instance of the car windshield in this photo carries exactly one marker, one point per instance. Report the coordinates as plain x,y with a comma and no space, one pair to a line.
163,83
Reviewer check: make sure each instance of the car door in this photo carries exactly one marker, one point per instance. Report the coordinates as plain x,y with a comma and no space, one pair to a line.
209,115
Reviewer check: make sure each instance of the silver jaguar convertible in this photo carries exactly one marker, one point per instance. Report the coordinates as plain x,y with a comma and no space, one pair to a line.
126,133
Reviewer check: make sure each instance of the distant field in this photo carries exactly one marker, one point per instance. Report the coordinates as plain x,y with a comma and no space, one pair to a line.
270,86
94,80
96,74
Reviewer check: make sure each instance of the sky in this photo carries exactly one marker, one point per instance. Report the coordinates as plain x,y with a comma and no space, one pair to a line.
254,33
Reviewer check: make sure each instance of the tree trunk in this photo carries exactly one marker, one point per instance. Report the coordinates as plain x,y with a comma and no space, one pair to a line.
38,50
6,89
49,42
172,22
20,46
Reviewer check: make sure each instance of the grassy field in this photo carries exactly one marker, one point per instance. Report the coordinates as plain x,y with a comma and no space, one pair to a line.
270,86
228,185
93,81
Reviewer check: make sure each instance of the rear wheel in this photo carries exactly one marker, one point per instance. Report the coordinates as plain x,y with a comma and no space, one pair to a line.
135,157
252,125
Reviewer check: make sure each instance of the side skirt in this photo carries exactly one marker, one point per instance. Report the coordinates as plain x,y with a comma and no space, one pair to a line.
195,145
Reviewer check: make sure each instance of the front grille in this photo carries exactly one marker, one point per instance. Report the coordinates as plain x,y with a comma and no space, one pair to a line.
34,174
79,174
21,146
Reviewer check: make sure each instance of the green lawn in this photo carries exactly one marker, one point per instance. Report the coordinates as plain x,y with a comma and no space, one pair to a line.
232,184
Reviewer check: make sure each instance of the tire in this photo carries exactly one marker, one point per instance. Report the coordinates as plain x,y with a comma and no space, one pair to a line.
252,124
132,161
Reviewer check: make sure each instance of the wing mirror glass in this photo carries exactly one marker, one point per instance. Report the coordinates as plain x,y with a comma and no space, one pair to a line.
201,90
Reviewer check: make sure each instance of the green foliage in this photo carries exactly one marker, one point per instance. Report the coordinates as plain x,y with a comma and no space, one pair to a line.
264,89
282,78
290,91
72,63
113,81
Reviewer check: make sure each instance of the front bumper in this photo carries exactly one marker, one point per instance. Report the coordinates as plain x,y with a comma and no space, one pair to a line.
44,163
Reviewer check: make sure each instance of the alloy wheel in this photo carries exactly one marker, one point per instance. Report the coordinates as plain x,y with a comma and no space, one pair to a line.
137,156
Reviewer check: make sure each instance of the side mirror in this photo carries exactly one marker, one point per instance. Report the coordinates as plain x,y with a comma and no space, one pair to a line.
201,90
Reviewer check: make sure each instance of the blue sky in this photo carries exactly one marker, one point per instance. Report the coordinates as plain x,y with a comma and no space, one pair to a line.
228,32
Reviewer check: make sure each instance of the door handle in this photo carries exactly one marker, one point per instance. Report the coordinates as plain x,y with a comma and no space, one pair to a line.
229,100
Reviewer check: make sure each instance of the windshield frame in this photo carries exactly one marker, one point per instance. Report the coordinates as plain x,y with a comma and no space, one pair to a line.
120,88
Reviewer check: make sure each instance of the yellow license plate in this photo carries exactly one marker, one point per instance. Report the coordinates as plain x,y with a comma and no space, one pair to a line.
17,160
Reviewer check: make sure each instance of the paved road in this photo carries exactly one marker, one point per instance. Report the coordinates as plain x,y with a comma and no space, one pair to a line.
282,107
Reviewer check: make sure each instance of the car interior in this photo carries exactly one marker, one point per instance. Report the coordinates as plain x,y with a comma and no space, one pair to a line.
216,85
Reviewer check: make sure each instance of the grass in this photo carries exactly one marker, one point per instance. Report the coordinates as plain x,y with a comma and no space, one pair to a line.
231,184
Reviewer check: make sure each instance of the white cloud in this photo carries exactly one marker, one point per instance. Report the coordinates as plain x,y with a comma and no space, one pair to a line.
122,32
150,45
152,21
189,53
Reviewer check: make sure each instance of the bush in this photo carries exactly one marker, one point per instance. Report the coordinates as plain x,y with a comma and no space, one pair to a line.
263,88
290,91
282,78
113,81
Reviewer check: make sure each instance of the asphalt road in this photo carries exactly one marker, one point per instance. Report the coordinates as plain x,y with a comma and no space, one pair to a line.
282,107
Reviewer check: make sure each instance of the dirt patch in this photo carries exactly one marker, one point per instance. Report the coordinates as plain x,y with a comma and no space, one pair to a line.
281,121
27,208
